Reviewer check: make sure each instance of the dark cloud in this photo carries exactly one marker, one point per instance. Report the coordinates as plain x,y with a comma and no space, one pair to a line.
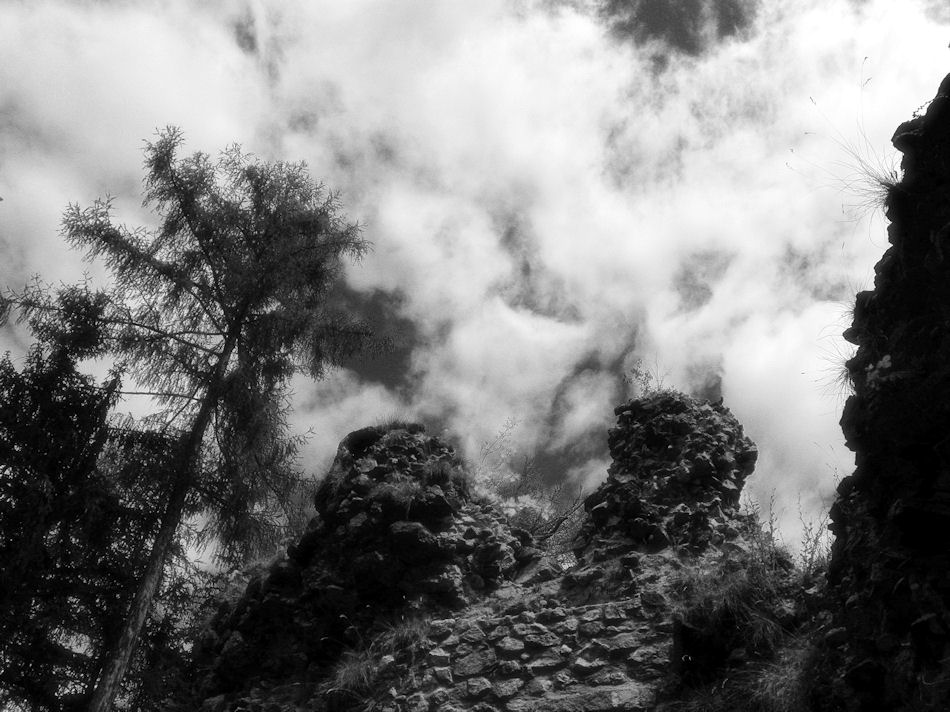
571,449
705,379
381,311
804,268
688,26
593,377
531,285
245,33
697,276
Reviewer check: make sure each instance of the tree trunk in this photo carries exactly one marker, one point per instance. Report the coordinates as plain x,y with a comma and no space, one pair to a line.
117,661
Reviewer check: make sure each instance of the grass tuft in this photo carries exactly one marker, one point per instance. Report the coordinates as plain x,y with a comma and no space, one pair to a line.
358,676
781,685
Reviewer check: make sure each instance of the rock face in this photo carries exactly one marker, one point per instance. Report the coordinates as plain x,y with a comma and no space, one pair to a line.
891,559
395,530
405,595
678,469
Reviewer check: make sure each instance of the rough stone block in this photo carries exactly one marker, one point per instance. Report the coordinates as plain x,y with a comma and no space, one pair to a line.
582,666
546,639
477,688
509,645
504,689
474,663
439,657
547,662
443,675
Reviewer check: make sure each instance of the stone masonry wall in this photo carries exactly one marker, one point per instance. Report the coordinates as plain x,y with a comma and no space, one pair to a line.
485,621
601,636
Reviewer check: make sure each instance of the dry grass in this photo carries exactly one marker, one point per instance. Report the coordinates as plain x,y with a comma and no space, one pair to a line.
358,675
735,601
446,474
780,685
395,420
738,601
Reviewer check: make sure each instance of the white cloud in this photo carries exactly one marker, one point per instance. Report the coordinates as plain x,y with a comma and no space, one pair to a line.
537,194
326,411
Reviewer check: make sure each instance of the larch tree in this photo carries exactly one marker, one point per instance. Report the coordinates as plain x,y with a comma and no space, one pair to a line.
211,313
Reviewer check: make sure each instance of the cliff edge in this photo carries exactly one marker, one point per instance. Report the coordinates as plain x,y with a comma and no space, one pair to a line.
891,559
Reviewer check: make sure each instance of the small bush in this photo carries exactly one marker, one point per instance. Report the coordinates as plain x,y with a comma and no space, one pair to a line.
743,627
358,676
355,673
873,176
727,610
551,510
445,474
398,421
647,381
815,549
730,610
777,686
782,685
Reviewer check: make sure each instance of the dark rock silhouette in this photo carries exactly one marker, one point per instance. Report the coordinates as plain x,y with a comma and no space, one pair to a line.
400,551
891,558
688,26
678,469
395,531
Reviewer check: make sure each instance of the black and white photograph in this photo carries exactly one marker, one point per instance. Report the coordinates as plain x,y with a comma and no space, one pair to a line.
502,356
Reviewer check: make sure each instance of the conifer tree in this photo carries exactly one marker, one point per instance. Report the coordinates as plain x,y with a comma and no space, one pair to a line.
80,496
55,573
211,313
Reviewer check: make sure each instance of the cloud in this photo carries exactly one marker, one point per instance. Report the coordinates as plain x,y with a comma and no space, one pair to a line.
83,85
547,202
689,26
325,411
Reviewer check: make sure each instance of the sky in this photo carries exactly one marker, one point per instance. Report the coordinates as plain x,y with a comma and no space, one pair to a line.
554,190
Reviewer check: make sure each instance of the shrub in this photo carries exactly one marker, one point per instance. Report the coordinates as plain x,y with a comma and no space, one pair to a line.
551,510
446,475
780,685
728,612
398,421
647,381
359,676
744,638
731,609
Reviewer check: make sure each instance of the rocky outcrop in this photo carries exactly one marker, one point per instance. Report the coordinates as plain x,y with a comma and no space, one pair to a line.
601,636
678,469
407,596
890,647
395,531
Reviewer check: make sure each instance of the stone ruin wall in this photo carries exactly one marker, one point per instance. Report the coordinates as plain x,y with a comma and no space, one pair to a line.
398,536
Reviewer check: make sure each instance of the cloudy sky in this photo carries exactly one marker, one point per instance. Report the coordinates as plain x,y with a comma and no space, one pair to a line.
553,189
